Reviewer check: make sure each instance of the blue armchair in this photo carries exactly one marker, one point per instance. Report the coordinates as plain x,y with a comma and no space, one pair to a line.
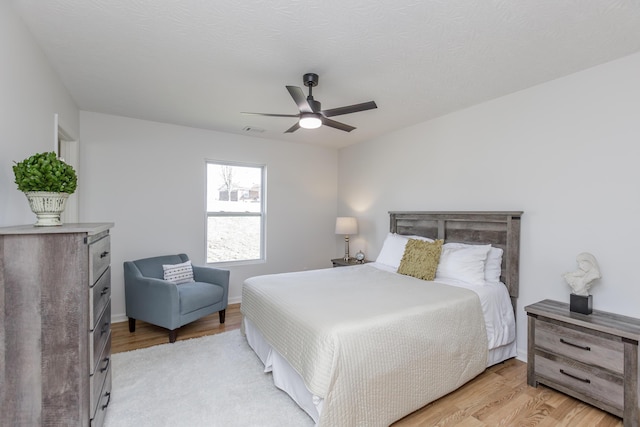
154,300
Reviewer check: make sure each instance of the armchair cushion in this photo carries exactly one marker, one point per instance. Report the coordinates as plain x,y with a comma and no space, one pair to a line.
196,295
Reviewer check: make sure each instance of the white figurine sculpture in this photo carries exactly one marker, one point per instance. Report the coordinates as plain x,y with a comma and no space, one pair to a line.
588,271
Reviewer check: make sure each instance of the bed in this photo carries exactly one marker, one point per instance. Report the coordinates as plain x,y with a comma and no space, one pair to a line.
365,346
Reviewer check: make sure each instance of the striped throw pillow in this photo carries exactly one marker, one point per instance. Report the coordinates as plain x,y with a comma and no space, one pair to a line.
178,273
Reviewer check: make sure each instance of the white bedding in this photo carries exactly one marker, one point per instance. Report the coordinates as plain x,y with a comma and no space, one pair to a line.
314,322
496,308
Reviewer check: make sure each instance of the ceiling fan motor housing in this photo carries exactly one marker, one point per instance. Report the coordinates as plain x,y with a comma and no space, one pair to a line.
310,79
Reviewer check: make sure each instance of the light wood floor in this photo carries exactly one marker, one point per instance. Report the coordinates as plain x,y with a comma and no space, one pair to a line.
499,396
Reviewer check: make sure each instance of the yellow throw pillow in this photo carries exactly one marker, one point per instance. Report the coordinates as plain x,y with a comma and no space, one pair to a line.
420,259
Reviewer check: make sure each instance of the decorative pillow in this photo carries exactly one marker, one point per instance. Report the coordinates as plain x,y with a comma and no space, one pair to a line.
393,249
463,262
178,273
420,259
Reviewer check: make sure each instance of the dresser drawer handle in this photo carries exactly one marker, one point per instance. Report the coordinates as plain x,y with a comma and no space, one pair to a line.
575,345
107,394
105,328
106,366
104,291
584,380
104,254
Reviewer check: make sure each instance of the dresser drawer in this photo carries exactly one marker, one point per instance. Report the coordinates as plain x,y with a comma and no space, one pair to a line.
588,347
97,420
99,336
99,297
99,258
97,378
596,384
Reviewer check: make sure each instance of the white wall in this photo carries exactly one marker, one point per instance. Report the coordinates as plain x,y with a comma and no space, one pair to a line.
149,178
565,152
31,94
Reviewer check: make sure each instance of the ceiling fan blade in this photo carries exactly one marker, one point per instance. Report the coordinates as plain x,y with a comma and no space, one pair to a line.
271,115
293,128
350,109
301,101
337,125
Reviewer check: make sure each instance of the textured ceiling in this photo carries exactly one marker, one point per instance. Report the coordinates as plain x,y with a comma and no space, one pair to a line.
200,63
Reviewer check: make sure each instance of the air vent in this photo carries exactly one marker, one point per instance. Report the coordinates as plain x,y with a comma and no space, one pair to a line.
252,129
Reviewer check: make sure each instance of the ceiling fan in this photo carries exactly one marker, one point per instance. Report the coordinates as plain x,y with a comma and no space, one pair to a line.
311,115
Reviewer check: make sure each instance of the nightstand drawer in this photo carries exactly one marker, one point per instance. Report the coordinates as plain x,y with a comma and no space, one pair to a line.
588,347
593,383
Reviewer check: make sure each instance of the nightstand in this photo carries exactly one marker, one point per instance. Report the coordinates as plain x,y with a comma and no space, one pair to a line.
340,262
592,357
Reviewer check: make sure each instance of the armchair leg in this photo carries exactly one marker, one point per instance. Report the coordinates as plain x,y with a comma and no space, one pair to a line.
173,335
132,324
221,313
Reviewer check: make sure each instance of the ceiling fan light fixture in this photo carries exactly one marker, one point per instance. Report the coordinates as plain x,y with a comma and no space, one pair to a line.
310,121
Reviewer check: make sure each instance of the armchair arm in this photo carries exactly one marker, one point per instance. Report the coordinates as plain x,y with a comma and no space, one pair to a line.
215,276
151,300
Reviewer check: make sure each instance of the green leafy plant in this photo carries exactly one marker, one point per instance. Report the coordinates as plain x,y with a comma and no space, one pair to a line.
45,172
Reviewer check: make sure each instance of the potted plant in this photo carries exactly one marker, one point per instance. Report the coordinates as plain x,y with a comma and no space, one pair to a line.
47,181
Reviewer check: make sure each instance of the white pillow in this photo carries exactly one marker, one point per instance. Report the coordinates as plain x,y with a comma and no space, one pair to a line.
463,262
493,265
178,273
426,239
393,248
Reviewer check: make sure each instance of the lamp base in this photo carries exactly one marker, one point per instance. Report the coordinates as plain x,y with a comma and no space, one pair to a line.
346,256
581,304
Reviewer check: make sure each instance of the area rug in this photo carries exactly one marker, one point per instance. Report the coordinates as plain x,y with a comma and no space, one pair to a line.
211,381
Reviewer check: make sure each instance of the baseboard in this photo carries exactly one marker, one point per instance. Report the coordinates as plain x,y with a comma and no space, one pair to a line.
117,318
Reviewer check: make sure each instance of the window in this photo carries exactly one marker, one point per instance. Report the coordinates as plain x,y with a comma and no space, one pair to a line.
235,212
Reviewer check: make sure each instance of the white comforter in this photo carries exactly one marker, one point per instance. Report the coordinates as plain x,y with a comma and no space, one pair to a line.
373,344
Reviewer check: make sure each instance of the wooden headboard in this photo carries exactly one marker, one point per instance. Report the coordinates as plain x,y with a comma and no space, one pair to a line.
500,229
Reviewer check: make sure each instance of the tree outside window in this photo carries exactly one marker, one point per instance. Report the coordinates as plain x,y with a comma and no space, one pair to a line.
235,212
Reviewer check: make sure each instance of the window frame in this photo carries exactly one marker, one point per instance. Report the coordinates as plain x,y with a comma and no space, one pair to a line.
262,214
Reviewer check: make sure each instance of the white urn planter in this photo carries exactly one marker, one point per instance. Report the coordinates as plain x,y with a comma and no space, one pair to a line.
47,206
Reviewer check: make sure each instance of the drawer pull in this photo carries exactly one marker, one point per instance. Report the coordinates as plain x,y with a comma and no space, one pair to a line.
105,328
584,380
106,366
108,394
104,254
104,291
575,345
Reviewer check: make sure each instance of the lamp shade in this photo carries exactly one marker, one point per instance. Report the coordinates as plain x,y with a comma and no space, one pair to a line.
346,225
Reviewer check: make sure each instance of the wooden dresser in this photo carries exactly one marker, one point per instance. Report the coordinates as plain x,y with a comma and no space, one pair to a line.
55,325
592,357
